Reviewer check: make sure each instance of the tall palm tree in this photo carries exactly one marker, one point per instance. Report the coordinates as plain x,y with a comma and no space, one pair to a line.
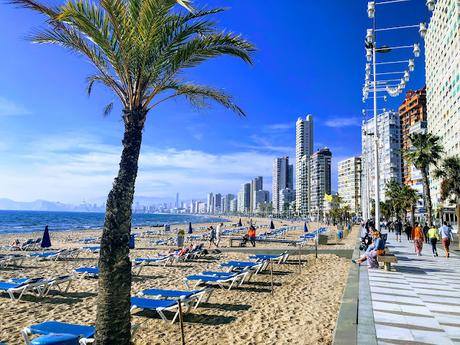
408,199
138,49
449,172
426,150
393,196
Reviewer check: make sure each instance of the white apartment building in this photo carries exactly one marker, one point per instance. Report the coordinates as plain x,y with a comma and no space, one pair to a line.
349,171
244,198
282,179
442,59
320,180
210,203
389,131
285,199
303,151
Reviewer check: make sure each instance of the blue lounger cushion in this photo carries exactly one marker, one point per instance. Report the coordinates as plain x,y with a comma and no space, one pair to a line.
239,264
170,293
56,339
219,274
43,255
205,278
89,270
49,327
148,303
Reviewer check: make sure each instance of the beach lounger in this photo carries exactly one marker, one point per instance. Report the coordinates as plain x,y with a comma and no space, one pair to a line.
84,333
188,297
87,271
11,260
159,305
35,285
216,280
280,258
64,254
92,249
57,282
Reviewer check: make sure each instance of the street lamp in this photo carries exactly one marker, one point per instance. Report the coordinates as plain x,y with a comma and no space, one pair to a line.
429,3
416,50
371,9
422,30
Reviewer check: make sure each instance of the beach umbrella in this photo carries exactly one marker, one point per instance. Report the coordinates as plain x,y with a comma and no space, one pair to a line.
305,228
46,241
272,226
190,229
239,223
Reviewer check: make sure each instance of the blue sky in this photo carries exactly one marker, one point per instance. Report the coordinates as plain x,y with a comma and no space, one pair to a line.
56,145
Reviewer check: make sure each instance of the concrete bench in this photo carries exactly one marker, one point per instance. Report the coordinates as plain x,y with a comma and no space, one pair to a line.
387,260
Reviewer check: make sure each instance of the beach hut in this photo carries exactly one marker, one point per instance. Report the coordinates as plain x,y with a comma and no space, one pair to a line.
239,223
272,226
305,228
190,229
46,240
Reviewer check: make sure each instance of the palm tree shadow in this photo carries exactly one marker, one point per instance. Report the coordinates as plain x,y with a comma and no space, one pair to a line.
205,319
226,306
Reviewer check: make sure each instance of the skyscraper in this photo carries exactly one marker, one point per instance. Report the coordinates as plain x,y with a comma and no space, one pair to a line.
411,112
350,183
442,47
320,180
304,149
389,129
282,179
210,203
217,203
244,198
256,185
177,205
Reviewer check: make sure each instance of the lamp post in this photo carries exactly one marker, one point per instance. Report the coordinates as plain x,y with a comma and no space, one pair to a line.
385,85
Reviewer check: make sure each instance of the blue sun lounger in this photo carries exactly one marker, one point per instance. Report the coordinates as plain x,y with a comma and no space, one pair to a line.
187,296
216,280
281,258
35,285
84,333
87,271
159,305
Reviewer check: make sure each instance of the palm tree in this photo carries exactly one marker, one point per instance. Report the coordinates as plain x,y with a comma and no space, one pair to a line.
138,49
393,195
408,199
426,150
449,172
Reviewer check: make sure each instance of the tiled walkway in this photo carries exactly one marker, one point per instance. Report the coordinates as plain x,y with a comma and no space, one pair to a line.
418,302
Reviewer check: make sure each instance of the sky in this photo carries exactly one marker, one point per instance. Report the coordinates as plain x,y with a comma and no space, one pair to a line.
56,145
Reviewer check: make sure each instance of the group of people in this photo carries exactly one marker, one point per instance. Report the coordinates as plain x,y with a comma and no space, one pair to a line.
215,235
374,245
432,235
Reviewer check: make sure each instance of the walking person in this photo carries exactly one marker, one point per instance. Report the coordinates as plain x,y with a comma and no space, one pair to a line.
418,238
433,237
408,231
252,235
219,233
446,235
212,236
398,229
425,232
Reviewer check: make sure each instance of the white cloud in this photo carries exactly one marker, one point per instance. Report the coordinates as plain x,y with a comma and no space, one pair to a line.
280,126
72,168
343,122
9,108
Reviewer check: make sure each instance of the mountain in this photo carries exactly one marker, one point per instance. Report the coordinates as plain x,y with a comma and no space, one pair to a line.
44,205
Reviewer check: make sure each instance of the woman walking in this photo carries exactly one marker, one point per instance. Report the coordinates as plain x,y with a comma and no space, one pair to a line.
447,236
418,238
433,237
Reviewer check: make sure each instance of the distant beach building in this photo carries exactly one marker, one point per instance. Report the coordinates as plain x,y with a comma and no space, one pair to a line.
285,198
389,130
233,205
304,149
226,203
349,171
217,208
244,196
210,203
177,205
261,197
202,207
442,47
257,184
320,181
282,179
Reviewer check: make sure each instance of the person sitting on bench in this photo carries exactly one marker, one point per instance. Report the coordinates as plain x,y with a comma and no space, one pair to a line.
375,249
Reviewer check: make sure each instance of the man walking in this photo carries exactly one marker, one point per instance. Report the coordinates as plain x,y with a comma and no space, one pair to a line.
446,235
398,229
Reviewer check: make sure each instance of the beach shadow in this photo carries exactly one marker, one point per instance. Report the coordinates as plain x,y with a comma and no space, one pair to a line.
275,273
253,289
71,294
262,283
142,277
226,306
204,319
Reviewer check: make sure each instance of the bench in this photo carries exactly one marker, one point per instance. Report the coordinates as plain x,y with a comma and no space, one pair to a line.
387,260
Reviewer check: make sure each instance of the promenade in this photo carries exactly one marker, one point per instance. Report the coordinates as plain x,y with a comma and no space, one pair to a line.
418,302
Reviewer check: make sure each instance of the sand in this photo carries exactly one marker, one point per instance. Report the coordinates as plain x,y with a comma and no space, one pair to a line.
302,309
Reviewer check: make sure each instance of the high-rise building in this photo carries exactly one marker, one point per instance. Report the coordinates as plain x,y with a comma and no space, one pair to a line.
177,205
217,203
442,51
389,130
303,151
256,185
350,183
261,196
411,112
234,205
244,198
210,203
282,179
226,202
320,180
285,198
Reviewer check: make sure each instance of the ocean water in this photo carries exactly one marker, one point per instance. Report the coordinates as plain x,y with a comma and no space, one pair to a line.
29,221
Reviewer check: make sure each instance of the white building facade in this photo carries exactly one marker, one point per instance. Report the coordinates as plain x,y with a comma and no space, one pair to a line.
349,184
304,149
320,181
282,179
442,59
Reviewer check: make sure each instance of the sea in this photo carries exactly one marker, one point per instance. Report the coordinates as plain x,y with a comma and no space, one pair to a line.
30,221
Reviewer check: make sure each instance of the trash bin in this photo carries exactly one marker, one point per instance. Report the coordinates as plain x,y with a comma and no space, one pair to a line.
180,238
322,239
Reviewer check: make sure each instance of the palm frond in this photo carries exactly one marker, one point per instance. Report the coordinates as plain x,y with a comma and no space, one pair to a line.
108,109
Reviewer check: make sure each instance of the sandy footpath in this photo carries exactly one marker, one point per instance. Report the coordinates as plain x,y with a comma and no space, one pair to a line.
302,310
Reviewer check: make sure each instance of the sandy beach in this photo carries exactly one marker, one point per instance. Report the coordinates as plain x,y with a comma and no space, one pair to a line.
302,309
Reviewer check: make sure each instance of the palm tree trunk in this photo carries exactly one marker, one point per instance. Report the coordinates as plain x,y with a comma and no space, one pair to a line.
427,197
113,322
412,215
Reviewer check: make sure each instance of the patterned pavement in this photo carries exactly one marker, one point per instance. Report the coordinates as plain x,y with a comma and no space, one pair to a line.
418,302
